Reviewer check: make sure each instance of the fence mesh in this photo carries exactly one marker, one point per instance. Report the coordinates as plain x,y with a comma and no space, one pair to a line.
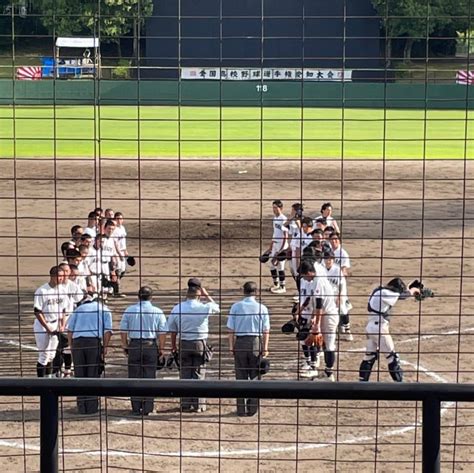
191,118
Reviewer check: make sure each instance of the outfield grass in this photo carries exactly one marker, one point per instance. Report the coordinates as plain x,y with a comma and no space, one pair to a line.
81,131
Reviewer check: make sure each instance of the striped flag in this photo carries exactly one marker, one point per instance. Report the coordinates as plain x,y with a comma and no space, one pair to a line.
465,77
28,73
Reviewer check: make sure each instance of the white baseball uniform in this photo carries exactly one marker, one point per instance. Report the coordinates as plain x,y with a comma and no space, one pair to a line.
341,257
378,326
280,233
338,282
52,302
120,236
98,265
295,245
330,318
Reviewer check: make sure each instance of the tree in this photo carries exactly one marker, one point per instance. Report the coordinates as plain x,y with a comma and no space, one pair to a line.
418,19
109,19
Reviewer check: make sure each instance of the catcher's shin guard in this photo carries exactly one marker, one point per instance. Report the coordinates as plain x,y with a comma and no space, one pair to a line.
394,367
366,366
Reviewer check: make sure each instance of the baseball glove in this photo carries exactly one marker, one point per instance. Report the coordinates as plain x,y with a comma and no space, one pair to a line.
289,327
314,339
423,294
131,261
265,257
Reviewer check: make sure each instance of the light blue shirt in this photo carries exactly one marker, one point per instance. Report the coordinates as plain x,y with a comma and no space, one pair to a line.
143,320
248,317
190,319
91,319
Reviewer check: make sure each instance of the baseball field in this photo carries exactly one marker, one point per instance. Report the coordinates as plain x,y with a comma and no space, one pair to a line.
211,218
148,132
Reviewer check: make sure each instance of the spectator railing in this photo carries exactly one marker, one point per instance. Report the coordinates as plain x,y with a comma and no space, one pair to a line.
49,390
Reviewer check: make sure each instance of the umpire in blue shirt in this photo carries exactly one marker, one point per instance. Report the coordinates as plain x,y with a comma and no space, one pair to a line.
249,330
190,319
142,326
89,331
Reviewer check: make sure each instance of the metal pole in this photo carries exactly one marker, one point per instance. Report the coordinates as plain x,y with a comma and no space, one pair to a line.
431,435
49,433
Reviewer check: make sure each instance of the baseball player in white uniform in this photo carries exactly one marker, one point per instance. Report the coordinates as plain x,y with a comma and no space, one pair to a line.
92,227
341,257
120,236
74,295
294,230
379,340
50,305
98,265
278,245
326,212
112,253
338,282
308,368
324,316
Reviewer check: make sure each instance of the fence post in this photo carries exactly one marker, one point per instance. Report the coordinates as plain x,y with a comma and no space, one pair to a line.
49,433
431,435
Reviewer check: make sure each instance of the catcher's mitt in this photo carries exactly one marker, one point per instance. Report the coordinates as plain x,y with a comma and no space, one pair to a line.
423,294
314,339
265,257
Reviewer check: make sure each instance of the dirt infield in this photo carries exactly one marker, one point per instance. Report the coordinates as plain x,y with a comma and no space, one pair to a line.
212,219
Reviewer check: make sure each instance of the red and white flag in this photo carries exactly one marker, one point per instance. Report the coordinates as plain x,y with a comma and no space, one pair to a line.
465,77
28,73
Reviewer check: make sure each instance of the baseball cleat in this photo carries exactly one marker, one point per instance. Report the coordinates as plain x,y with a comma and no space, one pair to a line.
324,377
296,299
309,373
274,288
347,336
279,290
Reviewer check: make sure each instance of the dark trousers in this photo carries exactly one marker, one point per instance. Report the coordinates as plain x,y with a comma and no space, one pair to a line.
142,359
62,357
247,352
87,356
192,367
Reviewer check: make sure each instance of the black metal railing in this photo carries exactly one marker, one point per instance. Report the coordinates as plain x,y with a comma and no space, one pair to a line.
49,390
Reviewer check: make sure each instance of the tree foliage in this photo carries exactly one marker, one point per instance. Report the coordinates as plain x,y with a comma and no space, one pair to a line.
110,19
418,19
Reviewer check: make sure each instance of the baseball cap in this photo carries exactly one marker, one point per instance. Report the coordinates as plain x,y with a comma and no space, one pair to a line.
194,282
328,254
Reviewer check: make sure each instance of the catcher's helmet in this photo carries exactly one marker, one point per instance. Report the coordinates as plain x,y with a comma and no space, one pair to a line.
397,285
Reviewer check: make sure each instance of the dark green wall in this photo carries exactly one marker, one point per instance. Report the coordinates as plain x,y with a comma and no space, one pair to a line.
208,93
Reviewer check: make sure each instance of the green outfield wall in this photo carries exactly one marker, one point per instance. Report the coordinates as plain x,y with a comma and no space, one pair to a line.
210,93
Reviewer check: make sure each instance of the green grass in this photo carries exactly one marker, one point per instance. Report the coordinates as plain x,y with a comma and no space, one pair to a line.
81,131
